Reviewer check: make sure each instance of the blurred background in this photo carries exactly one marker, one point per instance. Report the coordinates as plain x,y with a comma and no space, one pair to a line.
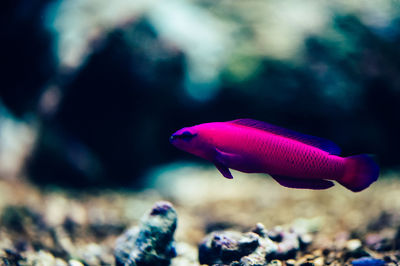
91,90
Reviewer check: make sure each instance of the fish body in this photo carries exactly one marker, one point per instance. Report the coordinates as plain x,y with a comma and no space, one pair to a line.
293,159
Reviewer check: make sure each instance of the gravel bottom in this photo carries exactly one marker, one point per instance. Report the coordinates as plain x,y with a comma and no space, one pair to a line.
54,226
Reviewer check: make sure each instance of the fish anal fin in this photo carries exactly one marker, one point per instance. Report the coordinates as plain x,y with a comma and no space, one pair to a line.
317,142
223,170
303,183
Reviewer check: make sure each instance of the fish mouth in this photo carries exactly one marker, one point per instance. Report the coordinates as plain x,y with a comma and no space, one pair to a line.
172,138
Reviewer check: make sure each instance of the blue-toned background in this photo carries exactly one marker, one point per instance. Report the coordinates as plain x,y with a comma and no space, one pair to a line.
91,90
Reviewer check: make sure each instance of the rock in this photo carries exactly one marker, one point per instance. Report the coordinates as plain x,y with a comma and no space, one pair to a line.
307,258
18,218
288,247
75,263
260,230
307,263
353,244
384,220
252,260
368,261
275,263
60,262
93,254
290,262
397,239
256,248
319,261
390,259
28,70
378,242
152,242
276,234
305,240
267,248
227,246
12,257
354,249
41,258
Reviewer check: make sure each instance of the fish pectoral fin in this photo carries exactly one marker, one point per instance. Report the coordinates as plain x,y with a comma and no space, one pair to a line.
222,159
223,170
225,157
303,183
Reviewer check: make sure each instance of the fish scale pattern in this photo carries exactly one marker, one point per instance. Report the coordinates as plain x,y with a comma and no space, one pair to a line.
290,157
320,143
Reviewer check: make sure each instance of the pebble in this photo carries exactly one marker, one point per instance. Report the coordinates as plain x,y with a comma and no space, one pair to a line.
44,258
92,254
305,240
353,244
390,259
252,260
255,248
276,234
268,247
275,263
378,242
368,261
319,261
75,263
397,239
12,257
227,246
354,249
261,255
307,264
151,243
290,262
60,262
260,230
288,247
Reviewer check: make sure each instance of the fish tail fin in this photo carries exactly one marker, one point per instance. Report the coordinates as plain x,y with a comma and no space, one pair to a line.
360,172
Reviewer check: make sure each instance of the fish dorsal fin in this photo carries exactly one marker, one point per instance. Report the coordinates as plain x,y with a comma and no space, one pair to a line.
317,142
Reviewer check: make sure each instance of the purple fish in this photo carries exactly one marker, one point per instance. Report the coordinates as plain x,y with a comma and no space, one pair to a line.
293,159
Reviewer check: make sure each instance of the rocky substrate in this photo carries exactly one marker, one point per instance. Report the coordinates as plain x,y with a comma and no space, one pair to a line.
250,222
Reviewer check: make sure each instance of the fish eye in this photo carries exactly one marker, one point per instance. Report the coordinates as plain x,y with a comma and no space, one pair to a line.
186,136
